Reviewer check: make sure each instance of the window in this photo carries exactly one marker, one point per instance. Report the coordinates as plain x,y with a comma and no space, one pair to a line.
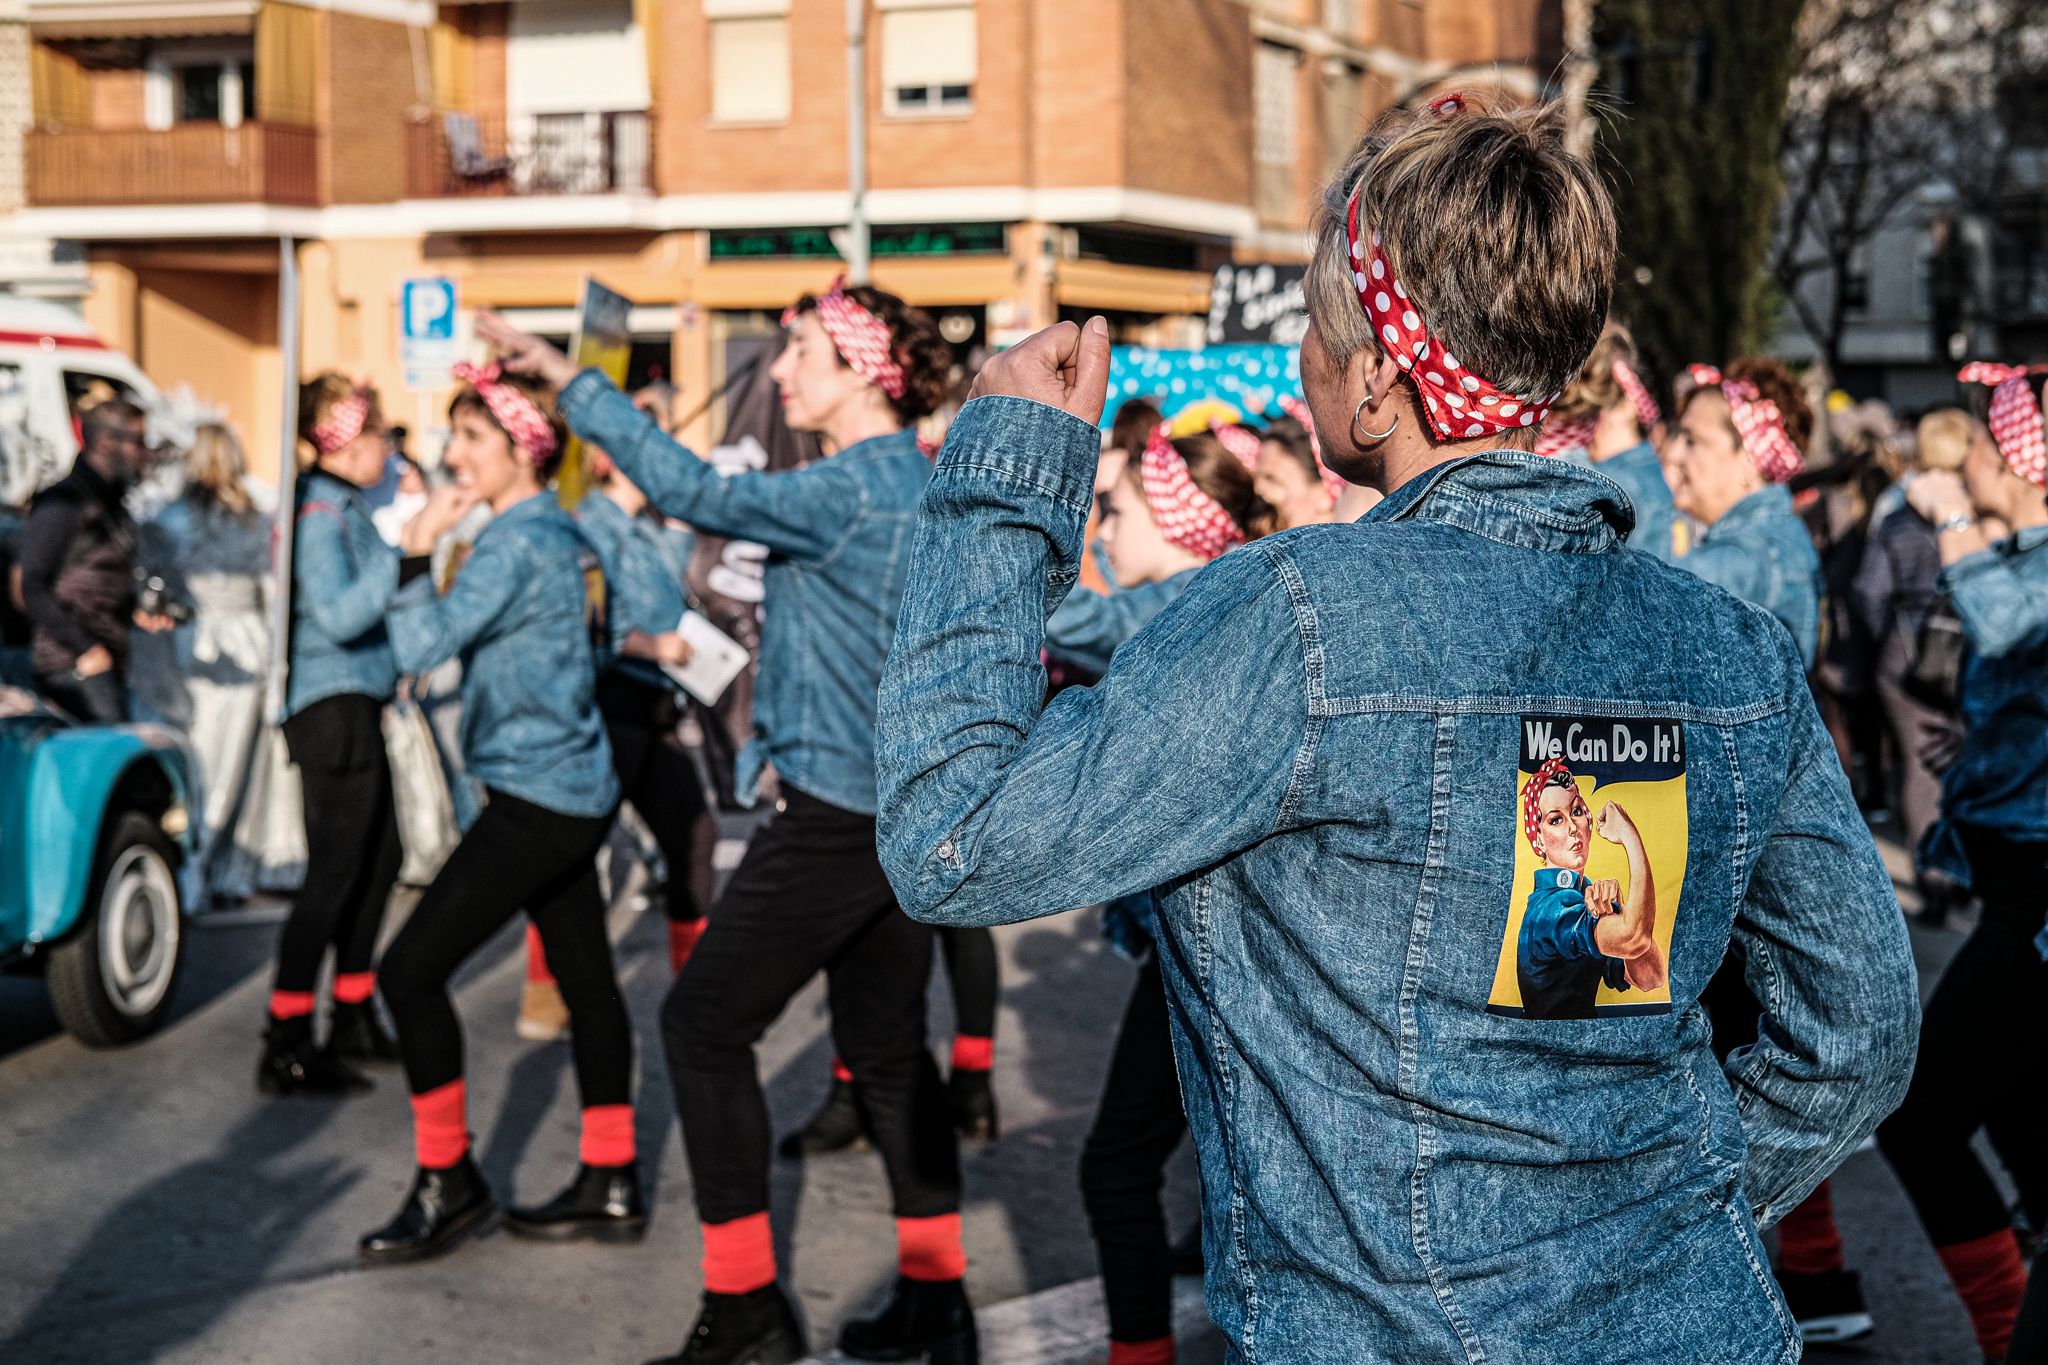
1273,105
200,83
750,69
928,57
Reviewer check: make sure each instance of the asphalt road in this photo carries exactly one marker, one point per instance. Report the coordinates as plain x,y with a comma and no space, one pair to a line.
152,1208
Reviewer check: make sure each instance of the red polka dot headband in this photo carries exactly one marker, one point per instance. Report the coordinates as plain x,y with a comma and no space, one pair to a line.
1648,414
1460,403
2014,418
343,423
862,339
1559,436
1333,483
1758,422
1532,798
1242,442
1187,516
528,427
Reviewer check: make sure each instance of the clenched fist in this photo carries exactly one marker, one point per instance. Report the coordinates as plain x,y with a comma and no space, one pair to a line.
1063,366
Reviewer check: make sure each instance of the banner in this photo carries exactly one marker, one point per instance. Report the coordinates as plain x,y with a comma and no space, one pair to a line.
1262,303
604,342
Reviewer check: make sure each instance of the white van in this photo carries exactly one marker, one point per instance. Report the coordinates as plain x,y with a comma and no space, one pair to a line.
49,359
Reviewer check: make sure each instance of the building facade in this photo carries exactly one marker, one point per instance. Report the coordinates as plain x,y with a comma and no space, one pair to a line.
1027,160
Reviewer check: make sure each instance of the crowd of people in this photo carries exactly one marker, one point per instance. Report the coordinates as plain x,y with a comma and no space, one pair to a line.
1260,684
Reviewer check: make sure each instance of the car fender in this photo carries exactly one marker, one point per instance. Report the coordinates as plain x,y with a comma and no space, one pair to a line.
73,773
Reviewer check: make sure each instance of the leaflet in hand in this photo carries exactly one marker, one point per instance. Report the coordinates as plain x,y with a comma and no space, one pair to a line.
715,659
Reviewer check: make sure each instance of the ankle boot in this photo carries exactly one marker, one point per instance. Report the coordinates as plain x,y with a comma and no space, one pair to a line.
757,1328
836,1126
445,1206
923,1318
974,1105
357,1035
293,1065
602,1203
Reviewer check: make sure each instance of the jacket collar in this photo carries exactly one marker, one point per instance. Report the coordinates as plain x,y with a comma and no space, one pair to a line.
1772,500
527,509
889,443
319,483
1517,498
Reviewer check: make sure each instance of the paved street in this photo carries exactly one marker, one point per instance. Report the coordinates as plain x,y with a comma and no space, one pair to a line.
156,1210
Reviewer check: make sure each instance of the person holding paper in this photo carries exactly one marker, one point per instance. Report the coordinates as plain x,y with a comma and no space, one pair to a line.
861,366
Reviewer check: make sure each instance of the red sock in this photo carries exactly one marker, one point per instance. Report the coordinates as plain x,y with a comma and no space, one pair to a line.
930,1249
1809,1242
440,1125
1990,1278
839,1071
607,1135
536,958
682,941
1158,1351
973,1054
291,1004
739,1257
353,988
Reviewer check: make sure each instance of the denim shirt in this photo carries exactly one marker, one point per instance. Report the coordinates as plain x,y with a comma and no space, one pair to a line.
1089,625
526,617
343,578
1999,781
1641,475
1760,551
1314,752
838,539
642,591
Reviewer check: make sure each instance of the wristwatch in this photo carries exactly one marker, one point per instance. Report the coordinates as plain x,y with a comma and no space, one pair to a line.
1961,521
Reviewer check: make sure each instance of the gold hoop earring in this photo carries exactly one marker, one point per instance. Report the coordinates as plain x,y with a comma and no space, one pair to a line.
1361,432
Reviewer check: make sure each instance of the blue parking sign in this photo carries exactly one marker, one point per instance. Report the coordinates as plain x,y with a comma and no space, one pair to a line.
426,330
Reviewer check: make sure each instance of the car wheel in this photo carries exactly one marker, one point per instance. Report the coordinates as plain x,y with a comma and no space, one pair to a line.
111,982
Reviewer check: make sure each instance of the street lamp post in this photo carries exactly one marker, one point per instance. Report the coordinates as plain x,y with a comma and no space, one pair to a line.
857,140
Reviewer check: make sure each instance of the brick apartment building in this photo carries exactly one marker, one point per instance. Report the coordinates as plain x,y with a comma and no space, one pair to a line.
1029,159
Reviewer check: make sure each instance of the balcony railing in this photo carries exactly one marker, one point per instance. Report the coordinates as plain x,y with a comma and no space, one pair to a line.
194,163
457,154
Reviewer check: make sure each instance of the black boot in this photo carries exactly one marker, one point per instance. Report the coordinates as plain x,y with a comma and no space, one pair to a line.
444,1207
602,1203
836,1126
292,1065
757,1328
974,1105
923,1318
357,1035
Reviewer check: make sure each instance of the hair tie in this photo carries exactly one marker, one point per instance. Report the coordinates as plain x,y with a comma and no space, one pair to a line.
1448,105
863,340
2014,417
1187,517
524,422
1758,422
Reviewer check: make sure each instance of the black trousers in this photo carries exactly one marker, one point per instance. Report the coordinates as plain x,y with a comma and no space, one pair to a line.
808,896
971,967
1123,1165
352,848
1983,1058
101,699
517,856
657,777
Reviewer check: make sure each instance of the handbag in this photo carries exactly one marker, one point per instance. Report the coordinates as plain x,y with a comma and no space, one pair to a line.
1934,676
419,788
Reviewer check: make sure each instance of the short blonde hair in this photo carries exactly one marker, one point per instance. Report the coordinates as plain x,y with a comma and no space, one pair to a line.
217,470
1504,240
1943,438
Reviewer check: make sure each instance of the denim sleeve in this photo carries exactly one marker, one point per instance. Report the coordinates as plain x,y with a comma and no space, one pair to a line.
1088,626
641,591
428,630
1825,953
996,807
805,514
345,601
2000,610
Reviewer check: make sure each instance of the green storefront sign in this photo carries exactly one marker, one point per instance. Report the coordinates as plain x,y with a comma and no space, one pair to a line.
946,239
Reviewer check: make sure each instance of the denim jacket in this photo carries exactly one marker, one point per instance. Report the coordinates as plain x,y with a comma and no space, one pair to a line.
642,591
1999,781
838,539
343,577
1760,551
526,616
1641,475
1316,753
1090,625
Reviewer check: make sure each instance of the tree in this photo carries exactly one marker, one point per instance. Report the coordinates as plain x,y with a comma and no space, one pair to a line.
1695,93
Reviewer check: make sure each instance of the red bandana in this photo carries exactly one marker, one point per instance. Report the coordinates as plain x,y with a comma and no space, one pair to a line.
862,339
1242,442
523,422
1647,411
1461,404
2015,418
1558,437
1187,516
344,422
1532,800
1758,422
1333,482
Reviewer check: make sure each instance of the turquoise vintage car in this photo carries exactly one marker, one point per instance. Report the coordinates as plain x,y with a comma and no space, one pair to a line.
95,825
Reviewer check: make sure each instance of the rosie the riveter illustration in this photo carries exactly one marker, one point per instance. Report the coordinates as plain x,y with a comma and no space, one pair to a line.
1594,922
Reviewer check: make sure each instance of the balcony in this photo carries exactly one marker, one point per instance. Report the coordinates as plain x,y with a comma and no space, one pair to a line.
195,163
457,155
